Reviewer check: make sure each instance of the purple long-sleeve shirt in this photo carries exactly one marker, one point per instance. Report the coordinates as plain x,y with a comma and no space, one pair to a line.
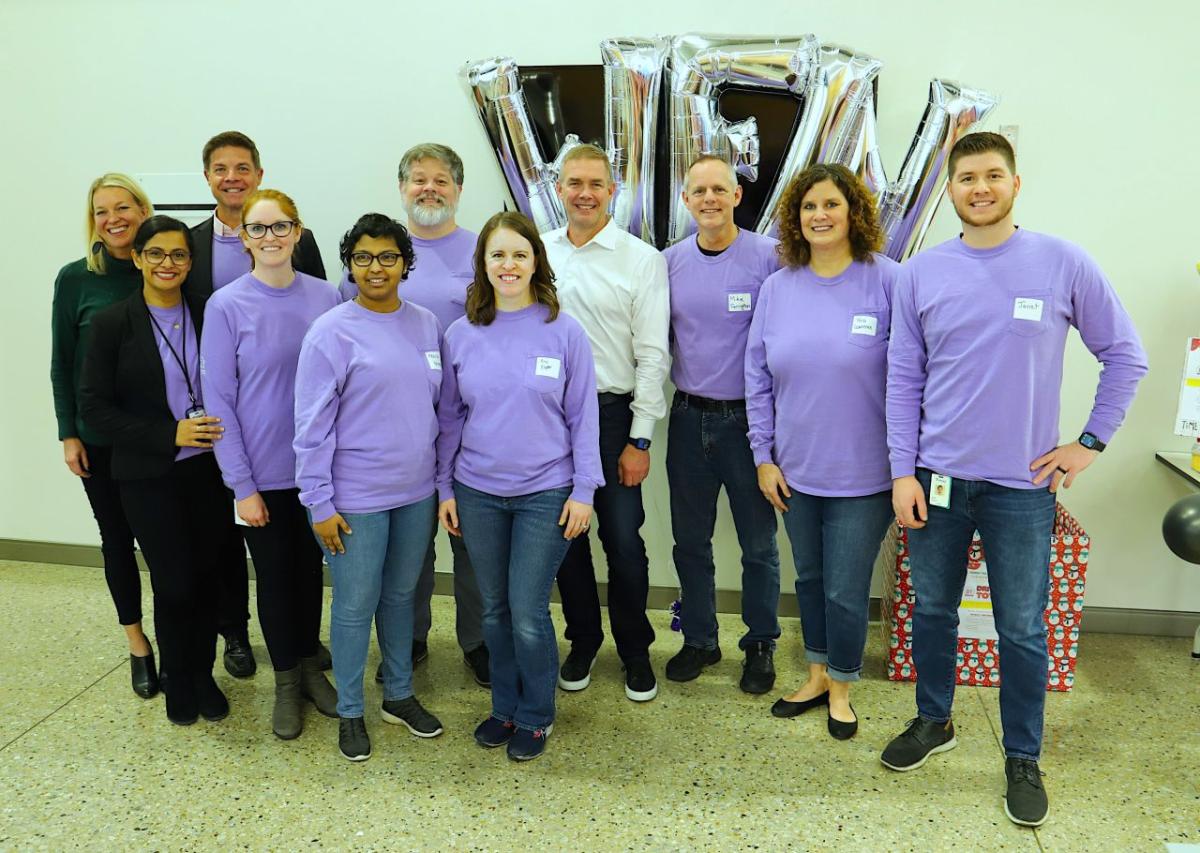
250,346
816,364
230,260
712,302
976,356
519,410
439,278
367,388
175,325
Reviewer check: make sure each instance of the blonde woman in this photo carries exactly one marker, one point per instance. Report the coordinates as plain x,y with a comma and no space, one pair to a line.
116,206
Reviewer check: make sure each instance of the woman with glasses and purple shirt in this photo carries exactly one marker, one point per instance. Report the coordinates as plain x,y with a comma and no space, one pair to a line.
253,328
518,463
141,392
367,388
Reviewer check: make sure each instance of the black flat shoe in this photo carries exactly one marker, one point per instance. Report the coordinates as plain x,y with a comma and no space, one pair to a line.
143,675
239,657
844,731
784,709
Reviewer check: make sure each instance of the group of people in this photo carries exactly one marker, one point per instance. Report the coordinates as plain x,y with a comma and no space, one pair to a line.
506,385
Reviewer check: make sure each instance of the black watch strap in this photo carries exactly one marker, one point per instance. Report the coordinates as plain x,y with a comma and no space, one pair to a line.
1092,443
639,443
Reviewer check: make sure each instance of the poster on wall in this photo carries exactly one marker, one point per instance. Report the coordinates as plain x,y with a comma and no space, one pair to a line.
1187,415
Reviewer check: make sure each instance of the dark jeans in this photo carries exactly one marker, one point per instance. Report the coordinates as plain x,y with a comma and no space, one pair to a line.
707,448
287,569
1014,526
619,517
517,545
116,539
468,607
834,545
181,520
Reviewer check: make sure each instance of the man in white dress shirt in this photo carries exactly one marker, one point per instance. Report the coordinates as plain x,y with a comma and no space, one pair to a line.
615,285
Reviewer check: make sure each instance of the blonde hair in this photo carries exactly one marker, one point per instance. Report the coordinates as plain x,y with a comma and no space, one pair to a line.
285,204
587,151
94,251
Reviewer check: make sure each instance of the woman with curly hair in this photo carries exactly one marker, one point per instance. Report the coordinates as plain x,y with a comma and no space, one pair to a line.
816,364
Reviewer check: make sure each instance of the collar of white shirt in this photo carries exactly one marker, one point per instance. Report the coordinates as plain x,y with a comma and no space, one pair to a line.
223,230
605,238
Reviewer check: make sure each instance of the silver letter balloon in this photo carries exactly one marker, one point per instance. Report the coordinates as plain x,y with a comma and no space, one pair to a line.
662,110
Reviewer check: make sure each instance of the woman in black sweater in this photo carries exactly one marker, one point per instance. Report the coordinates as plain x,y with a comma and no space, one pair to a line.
116,207
141,391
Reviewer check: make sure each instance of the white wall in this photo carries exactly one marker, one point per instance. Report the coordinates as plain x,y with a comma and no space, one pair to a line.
333,93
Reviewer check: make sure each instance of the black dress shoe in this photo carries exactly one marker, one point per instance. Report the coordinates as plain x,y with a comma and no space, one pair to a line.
239,657
210,701
144,675
841,730
479,662
783,708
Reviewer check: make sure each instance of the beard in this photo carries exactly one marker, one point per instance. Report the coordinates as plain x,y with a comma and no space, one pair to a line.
967,214
428,216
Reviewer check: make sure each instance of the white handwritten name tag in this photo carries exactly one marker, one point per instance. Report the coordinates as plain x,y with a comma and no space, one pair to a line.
739,301
547,366
1027,309
434,358
864,324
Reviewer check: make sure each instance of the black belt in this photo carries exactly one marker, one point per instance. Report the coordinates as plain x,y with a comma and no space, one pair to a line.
608,398
704,404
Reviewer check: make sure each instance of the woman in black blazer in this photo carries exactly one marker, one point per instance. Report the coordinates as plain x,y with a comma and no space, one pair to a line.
141,390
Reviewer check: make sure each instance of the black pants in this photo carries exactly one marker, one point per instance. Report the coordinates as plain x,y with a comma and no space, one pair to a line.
233,580
181,521
116,539
620,517
287,566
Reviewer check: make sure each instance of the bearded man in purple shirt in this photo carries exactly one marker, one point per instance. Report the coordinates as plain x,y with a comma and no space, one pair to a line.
975,363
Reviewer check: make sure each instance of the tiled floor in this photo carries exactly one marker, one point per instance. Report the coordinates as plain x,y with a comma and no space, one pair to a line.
84,764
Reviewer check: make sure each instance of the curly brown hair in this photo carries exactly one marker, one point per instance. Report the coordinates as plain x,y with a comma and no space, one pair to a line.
865,234
481,297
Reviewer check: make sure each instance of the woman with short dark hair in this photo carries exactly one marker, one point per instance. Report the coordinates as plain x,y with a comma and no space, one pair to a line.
367,386
141,391
816,364
518,463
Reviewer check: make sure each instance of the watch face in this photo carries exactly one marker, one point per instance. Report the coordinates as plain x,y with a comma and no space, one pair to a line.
1088,441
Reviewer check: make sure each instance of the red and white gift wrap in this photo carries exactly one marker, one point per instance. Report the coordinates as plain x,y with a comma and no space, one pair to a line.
978,652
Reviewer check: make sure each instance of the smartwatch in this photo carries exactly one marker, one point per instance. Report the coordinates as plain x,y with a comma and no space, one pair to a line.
1092,443
639,443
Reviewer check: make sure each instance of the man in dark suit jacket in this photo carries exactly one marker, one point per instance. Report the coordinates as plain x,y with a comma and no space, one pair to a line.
233,170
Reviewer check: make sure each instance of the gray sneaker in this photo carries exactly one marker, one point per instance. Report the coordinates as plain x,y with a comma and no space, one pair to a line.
1025,802
352,738
408,712
920,740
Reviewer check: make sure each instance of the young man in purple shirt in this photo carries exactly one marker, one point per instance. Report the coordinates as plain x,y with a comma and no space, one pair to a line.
975,367
431,182
714,280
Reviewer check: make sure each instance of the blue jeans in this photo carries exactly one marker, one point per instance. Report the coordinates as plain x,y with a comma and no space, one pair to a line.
708,449
516,547
377,577
834,545
1015,527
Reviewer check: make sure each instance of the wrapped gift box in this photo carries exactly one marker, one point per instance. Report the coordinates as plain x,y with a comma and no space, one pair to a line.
978,653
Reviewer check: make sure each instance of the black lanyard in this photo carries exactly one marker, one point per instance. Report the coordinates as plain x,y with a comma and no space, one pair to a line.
183,346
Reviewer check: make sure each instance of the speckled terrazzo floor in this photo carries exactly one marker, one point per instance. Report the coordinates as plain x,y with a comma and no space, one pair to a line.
84,764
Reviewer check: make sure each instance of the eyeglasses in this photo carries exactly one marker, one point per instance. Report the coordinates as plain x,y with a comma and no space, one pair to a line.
179,257
386,259
256,230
